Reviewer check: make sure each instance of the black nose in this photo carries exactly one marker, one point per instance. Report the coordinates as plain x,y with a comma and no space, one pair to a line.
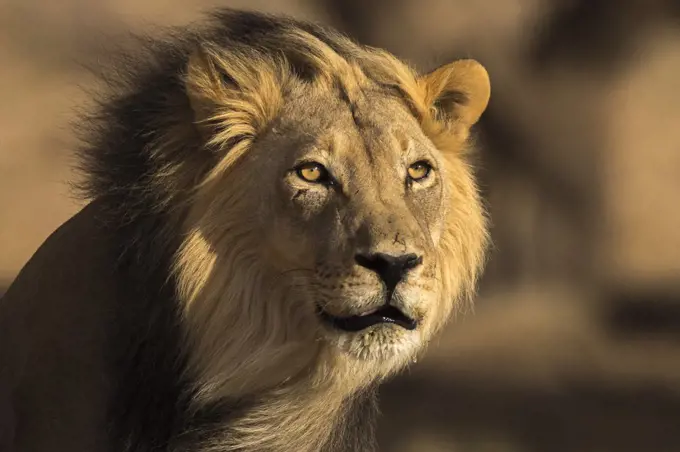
391,269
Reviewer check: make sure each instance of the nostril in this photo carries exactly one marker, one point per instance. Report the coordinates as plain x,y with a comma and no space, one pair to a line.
411,261
366,260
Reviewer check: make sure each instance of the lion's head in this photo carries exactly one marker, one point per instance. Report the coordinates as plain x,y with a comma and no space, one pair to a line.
339,223
366,216
297,208
328,218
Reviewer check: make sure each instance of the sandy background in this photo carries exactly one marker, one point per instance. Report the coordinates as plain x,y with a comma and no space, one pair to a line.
575,341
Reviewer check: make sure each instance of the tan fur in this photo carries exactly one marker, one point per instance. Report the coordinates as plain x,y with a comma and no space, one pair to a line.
258,248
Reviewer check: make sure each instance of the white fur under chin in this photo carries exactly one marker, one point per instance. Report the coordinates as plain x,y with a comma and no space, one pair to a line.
386,345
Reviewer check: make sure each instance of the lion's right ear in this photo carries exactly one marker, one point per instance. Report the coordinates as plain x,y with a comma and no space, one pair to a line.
232,95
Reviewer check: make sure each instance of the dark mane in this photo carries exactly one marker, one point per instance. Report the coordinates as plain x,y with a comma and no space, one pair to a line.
145,98
140,159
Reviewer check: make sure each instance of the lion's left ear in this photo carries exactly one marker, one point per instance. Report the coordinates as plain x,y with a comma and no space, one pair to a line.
457,94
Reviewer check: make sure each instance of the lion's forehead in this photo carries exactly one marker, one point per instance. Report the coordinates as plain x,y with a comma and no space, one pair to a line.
377,132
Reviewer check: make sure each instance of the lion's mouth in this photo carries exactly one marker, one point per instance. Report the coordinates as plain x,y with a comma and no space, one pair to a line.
384,314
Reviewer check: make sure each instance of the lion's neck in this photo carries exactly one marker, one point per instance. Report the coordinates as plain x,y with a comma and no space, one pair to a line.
301,418
298,402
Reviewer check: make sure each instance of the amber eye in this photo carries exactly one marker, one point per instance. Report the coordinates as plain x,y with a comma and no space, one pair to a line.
312,172
419,170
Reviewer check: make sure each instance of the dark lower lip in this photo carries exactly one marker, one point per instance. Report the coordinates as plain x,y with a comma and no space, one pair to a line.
386,314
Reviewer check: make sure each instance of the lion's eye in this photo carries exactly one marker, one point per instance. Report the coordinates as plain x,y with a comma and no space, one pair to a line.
312,172
419,170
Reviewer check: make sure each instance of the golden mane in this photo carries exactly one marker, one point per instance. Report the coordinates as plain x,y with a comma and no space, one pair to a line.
202,334
213,283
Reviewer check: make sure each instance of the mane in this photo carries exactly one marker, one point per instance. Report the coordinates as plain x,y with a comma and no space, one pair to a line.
145,161
139,146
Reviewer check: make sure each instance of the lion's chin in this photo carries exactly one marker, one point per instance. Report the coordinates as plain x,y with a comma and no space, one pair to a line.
383,333
383,341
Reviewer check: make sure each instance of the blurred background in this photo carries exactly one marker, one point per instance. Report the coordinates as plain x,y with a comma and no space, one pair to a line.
574,344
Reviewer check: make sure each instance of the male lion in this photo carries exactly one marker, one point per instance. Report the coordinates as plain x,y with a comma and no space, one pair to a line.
280,219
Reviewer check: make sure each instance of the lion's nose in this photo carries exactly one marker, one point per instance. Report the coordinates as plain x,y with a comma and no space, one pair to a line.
390,268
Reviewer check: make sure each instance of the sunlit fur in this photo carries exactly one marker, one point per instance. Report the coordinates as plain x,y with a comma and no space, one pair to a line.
257,249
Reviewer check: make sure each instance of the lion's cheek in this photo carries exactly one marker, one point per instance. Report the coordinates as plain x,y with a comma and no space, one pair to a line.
285,245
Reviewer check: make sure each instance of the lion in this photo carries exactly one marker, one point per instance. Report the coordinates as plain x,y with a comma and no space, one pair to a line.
279,219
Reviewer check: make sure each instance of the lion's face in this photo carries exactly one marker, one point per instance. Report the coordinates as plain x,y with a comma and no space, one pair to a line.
342,212
353,211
